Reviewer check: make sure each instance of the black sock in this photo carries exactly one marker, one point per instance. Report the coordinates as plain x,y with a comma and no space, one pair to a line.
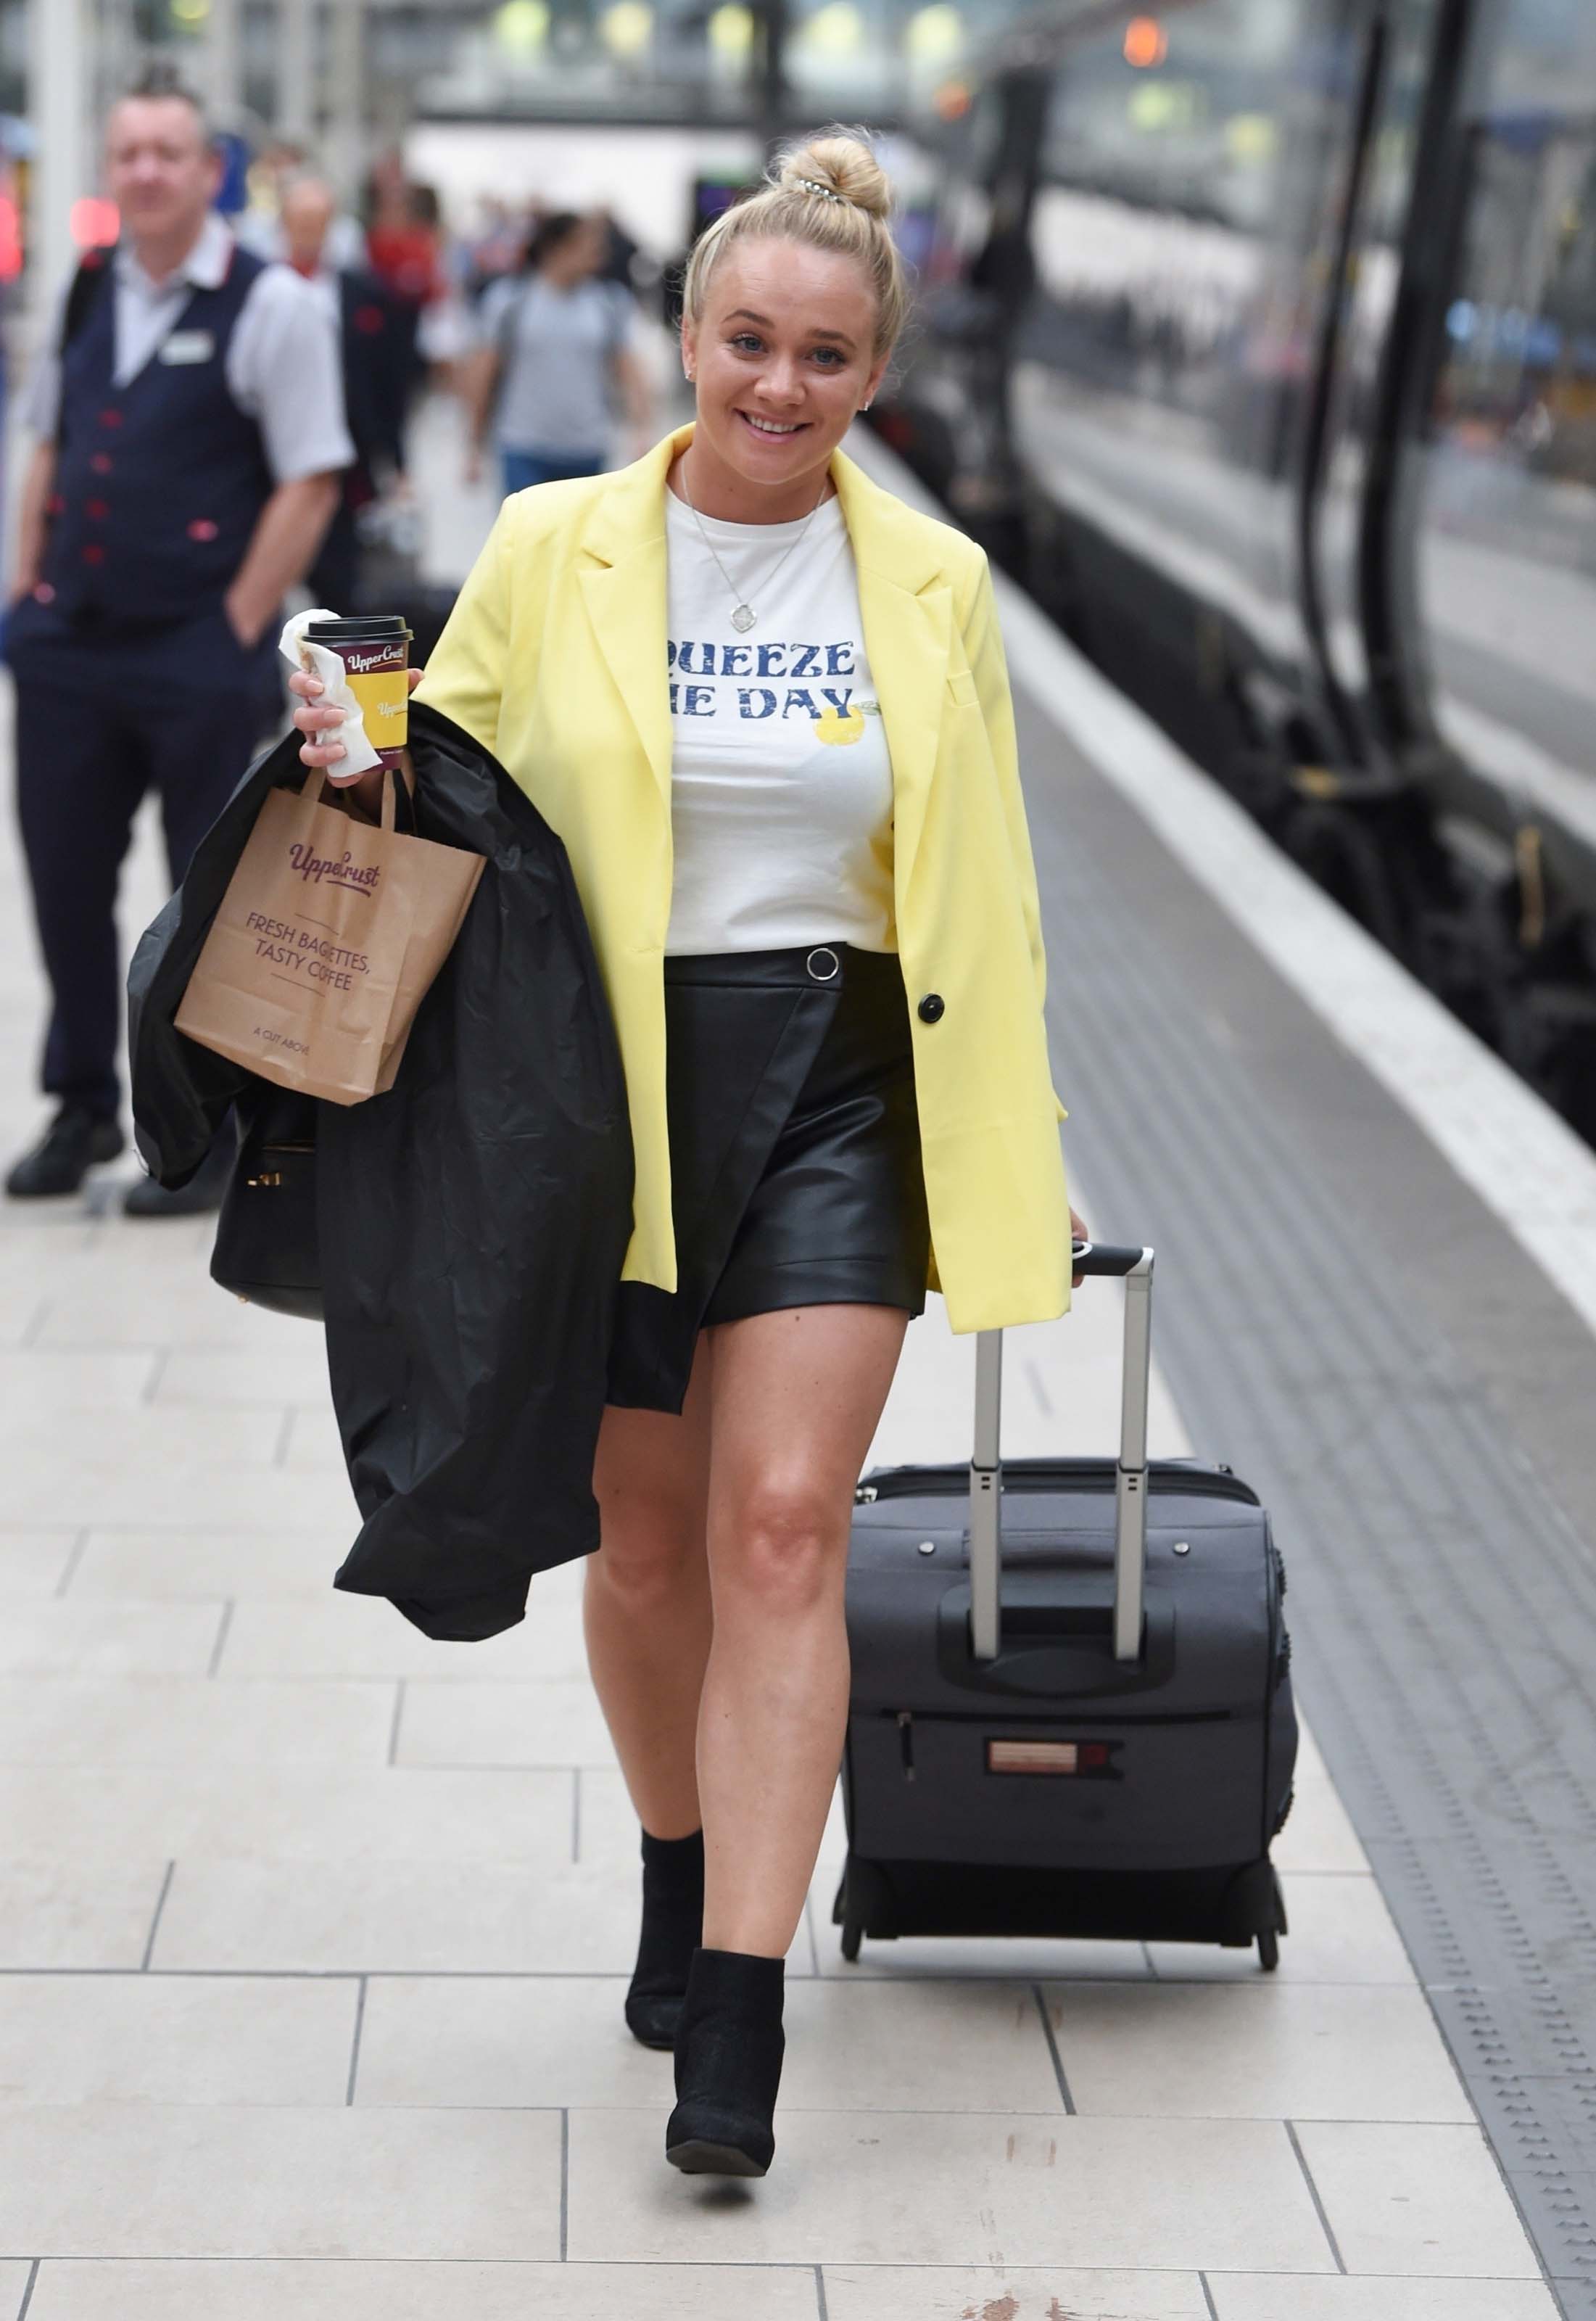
673,1915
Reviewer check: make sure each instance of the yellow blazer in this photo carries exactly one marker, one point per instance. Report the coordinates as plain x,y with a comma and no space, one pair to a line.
555,659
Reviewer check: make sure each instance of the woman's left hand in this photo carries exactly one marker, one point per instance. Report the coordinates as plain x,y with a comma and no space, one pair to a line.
1079,1231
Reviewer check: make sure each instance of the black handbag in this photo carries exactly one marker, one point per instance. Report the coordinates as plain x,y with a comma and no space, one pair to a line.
266,1250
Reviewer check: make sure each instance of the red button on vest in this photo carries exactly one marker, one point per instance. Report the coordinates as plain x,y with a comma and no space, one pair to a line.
94,553
100,462
96,511
202,528
112,418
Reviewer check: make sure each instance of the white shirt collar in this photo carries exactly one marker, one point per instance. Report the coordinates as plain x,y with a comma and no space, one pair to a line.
205,268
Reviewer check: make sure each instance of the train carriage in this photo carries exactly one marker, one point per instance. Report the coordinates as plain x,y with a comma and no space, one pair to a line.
1260,337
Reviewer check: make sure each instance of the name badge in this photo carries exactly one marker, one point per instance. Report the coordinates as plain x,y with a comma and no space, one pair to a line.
187,347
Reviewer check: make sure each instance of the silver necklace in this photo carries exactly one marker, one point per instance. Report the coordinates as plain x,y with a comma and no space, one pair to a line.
743,615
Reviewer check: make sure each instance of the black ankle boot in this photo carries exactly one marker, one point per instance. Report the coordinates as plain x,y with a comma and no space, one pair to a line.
673,1927
729,2065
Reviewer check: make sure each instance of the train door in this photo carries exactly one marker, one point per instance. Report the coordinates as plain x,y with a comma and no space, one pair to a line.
1493,622
1401,111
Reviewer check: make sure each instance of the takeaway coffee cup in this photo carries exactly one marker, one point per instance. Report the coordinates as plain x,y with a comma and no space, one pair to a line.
374,649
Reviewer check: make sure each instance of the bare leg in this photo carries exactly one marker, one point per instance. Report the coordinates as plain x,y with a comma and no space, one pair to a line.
645,1600
794,1401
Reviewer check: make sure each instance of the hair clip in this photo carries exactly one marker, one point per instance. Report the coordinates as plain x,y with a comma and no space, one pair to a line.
814,186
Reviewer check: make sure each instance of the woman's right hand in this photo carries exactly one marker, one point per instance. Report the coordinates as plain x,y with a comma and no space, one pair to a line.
320,724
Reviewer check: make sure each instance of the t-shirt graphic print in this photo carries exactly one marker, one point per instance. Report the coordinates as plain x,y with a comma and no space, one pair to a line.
781,780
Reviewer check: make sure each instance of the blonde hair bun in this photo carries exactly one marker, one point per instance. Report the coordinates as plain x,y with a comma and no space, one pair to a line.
839,162
829,192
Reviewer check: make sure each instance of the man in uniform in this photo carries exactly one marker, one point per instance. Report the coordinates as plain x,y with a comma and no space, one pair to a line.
191,440
376,337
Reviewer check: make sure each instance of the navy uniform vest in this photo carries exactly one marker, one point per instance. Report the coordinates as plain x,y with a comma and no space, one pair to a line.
159,484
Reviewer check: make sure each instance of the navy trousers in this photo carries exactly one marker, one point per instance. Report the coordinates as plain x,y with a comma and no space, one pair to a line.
520,470
101,718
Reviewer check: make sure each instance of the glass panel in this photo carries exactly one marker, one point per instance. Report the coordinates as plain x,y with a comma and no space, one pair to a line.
1157,383
1508,557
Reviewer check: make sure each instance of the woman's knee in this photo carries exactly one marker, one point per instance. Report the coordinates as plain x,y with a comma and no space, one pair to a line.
649,1555
650,1478
782,1540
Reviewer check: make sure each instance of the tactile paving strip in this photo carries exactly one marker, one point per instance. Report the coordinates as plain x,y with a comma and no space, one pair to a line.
1442,1608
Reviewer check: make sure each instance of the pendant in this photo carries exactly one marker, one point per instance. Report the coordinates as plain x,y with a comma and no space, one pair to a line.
743,618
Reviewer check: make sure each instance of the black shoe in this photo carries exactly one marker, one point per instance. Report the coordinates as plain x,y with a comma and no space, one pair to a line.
729,2045
76,1141
203,1192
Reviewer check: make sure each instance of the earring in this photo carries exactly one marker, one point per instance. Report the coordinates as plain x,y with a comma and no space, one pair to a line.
865,406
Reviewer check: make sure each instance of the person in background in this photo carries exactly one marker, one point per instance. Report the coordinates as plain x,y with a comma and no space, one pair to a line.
191,435
376,334
621,254
493,251
403,231
402,237
554,354
259,227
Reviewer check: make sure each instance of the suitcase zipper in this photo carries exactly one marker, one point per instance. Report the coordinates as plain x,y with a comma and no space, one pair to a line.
1022,1476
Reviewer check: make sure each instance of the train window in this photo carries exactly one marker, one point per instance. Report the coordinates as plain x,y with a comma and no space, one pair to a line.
1506,568
1189,121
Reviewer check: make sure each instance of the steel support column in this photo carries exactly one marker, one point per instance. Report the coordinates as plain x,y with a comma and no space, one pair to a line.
57,102
347,88
296,42
224,62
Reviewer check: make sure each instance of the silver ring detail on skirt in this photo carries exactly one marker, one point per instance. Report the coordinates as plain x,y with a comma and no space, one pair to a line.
823,974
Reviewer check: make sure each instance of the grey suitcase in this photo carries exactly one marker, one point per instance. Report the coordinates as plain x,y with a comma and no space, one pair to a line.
1072,1709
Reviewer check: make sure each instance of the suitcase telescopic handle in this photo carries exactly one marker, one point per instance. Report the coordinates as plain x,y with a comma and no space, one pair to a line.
1134,1267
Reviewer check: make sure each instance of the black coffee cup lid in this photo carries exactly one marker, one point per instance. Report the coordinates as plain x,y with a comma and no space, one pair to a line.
359,628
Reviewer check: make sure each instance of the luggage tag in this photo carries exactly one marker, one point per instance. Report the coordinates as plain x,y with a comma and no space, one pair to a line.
187,347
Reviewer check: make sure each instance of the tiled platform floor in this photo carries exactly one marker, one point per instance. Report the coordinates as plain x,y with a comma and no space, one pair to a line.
313,1933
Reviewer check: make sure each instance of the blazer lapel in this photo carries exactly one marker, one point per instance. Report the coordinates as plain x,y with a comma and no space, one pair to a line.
626,605
622,578
906,605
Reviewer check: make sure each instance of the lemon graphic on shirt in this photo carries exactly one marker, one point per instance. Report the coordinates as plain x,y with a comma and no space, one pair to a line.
838,726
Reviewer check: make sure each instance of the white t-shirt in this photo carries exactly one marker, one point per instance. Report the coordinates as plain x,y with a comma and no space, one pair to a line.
781,781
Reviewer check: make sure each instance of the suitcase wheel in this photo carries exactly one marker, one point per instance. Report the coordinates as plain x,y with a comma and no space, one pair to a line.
852,1935
1269,1950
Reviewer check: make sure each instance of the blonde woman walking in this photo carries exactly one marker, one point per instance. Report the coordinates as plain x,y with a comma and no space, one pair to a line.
765,705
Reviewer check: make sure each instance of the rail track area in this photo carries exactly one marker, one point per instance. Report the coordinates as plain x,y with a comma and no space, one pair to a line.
313,1933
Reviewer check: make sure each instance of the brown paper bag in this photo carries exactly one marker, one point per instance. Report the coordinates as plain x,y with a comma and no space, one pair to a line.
328,938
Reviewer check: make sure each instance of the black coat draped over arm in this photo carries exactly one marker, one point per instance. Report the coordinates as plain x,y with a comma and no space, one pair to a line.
472,1222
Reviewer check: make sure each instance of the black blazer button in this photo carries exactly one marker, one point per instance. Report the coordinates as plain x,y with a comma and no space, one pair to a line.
932,1007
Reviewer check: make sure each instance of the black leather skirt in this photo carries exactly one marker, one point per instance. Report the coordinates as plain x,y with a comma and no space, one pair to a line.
794,1153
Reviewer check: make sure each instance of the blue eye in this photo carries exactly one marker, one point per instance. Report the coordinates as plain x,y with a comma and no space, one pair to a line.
746,342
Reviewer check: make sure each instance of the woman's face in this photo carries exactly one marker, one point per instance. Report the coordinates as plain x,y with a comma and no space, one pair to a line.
783,357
